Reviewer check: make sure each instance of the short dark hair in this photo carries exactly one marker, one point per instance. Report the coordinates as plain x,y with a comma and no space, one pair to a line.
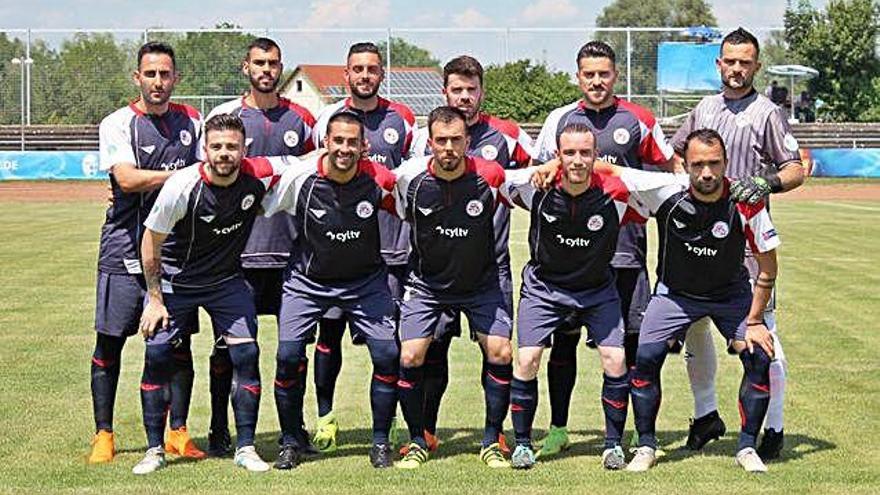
740,36
363,47
463,65
445,115
265,44
596,49
224,122
705,136
346,116
576,128
156,47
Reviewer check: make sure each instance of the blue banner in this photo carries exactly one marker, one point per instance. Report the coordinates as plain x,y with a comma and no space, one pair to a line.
684,67
846,162
42,165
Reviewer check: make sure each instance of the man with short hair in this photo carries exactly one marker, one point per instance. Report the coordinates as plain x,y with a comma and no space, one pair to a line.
449,199
763,159
275,126
141,144
626,135
338,264
390,129
191,252
702,235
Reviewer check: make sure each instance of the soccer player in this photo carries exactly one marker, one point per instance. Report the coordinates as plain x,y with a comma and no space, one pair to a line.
141,145
764,159
191,252
702,238
493,139
389,128
449,199
572,238
338,264
275,126
626,135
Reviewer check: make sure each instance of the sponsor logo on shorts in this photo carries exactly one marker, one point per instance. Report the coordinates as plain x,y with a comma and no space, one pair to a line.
720,230
185,138
489,152
391,136
348,235
453,233
596,222
769,234
364,209
291,138
474,208
572,241
621,136
247,202
702,251
228,230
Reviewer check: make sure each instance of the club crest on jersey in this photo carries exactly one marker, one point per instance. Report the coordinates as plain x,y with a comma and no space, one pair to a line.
364,209
621,135
391,136
291,139
489,152
247,202
474,208
596,222
185,138
720,230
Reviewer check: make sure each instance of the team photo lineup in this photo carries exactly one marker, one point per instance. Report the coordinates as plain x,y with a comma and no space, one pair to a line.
361,218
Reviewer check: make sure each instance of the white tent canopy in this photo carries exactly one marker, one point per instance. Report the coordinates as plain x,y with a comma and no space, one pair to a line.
793,72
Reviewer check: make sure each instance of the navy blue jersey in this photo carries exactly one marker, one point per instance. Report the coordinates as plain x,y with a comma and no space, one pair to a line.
285,130
150,142
390,129
208,225
337,224
627,135
453,236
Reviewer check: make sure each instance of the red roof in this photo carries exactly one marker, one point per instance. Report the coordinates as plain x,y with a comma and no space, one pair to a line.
324,76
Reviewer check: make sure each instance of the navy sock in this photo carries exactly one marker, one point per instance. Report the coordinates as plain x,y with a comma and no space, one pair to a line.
385,355
630,349
220,378
155,393
302,435
436,380
646,392
412,400
615,399
561,376
523,404
289,388
328,362
181,383
754,395
246,390
105,378
496,388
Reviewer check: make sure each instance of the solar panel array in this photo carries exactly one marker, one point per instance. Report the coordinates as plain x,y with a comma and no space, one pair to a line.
418,90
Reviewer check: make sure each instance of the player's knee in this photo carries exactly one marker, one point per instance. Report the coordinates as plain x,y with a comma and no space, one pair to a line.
650,357
756,365
613,360
411,358
527,364
330,332
158,363
385,355
245,358
288,357
108,350
499,352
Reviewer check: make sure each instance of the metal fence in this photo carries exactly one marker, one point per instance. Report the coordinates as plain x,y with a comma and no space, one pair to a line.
53,76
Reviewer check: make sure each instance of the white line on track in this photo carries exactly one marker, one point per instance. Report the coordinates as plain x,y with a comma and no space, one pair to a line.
849,206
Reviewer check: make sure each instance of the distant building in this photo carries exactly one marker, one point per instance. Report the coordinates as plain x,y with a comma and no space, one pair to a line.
315,86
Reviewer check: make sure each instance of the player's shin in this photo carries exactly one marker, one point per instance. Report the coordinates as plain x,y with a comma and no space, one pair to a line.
289,388
181,383
328,362
615,399
523,404
436,381
220,377
496,387
645,390
412,398
561,376
105,378
385,355
754,395
155,396
246,390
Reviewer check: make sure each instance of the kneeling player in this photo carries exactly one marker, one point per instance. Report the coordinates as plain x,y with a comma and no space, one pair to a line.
700,272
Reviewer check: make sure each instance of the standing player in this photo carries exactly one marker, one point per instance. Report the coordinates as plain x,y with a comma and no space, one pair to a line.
626,135
764,157
338,264
493,139
450,199
389,128
195,235
702,236
141,145
275,126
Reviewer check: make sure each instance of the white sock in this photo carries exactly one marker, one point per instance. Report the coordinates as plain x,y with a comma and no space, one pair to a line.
777,378
701,365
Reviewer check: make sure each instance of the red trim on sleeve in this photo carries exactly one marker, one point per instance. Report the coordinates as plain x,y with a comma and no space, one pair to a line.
649,150
750,211
302,111
383,177
188,110
403,110
610,185
510,129
260,168
631,215
202,173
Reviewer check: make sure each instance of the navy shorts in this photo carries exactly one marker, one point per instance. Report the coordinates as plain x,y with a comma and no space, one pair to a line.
424,313
266,284
396,279
452,318
366,304
670,315
634,290
229,304
543,307
120,302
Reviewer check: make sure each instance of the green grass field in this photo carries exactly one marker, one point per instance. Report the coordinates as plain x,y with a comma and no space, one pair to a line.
828,317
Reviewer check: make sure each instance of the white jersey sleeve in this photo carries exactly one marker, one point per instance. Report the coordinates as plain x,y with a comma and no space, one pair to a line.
649,190
405,173
285,193
758,228
518,183
114,139
171,204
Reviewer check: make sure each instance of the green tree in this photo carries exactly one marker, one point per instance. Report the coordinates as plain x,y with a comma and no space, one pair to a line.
526,92
10,79
405,54
841,44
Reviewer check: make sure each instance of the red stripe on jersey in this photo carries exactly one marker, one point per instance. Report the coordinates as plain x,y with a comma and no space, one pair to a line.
202,172
403,110
510,129
610,185
750,211
303,112
649,149
632,216
383,177
492,173
188,110
260,168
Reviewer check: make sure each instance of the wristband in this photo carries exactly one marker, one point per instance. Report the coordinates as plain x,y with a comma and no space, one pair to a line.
771,174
